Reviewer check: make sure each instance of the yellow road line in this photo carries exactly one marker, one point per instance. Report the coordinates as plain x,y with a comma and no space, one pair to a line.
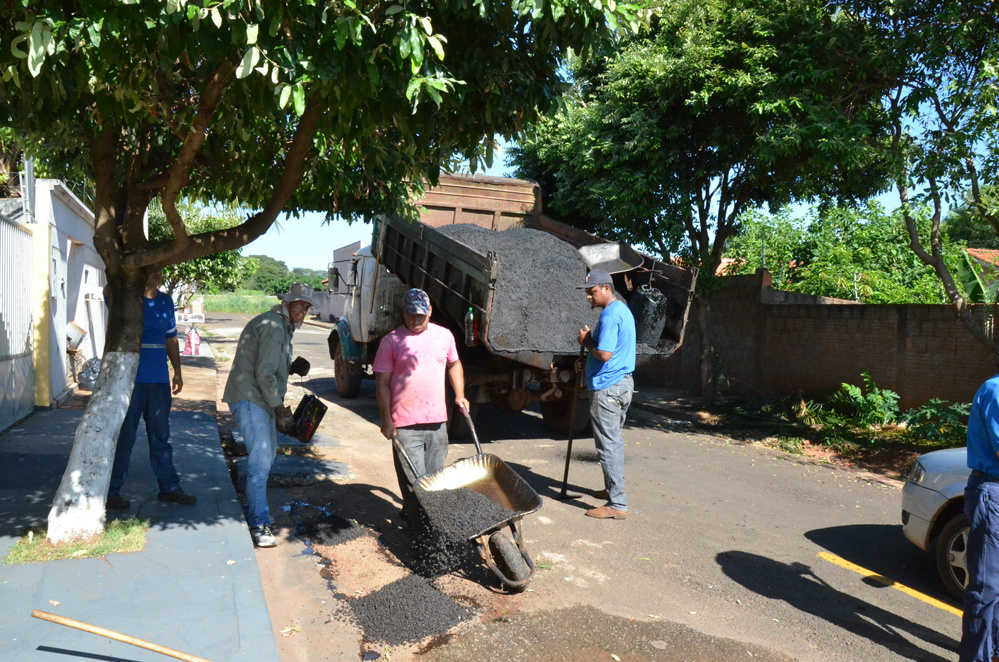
881,579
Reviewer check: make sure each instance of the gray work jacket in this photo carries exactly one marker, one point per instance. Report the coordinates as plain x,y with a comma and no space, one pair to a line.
263,355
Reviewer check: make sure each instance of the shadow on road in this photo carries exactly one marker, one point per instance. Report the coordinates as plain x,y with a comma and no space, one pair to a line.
883,549
796,584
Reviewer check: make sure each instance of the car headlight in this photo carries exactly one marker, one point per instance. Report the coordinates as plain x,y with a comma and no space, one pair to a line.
917,473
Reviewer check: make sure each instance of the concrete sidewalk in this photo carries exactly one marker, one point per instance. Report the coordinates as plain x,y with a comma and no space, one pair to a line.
196,586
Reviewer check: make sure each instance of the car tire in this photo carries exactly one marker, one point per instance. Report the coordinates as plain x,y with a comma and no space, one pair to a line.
347,375
951,548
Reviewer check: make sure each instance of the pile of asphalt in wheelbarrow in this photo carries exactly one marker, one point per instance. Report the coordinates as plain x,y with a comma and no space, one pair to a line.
441,542
536,304
405,611
461,513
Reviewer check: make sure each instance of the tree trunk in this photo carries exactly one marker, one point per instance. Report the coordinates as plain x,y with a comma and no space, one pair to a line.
78,507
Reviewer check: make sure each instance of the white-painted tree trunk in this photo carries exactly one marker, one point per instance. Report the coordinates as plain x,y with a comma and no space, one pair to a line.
78,508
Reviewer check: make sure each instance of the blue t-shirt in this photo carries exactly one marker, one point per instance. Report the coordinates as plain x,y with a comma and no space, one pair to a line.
615,333
158,324
983,429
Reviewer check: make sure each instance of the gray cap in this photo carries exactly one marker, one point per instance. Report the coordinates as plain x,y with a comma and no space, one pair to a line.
416,302
596,277
299,292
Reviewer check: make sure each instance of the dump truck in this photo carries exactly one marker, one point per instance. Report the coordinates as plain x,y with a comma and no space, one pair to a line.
495,266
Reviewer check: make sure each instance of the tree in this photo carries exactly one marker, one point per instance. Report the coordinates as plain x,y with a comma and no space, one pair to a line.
945,128
969,223
212,273
269,276
723,106
857,254
265,104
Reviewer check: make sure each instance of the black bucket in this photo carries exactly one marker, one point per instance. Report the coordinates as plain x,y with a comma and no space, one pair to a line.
648,305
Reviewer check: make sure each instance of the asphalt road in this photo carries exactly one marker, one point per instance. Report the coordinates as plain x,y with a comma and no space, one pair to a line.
725,542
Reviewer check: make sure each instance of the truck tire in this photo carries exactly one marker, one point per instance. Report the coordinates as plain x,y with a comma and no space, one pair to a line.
556,415
951,547
348,376
507,557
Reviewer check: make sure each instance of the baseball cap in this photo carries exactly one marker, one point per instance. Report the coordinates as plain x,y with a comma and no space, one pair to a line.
596,277
416,302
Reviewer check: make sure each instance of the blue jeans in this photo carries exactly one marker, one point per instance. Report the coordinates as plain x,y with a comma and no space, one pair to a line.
426,446
257,426
980,624
608,409
150,402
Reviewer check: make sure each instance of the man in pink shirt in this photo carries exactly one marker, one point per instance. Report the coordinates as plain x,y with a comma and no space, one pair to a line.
409,380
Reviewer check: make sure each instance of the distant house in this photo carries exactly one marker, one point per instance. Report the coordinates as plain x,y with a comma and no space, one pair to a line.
52,313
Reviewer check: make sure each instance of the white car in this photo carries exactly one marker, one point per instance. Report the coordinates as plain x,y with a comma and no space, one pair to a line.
933,513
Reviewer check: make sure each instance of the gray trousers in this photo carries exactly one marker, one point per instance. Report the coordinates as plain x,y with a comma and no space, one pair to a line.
608,409
426,446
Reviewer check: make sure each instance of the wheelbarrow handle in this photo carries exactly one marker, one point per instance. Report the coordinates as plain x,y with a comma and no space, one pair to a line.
471,426
402,451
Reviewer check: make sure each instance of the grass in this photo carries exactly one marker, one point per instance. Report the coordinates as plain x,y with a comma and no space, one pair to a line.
120,536
239,302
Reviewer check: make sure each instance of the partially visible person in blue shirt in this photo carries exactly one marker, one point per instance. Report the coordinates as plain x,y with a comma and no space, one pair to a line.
980,623
609,366
151,400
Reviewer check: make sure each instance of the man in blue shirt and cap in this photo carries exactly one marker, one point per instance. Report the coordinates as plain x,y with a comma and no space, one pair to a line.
609,365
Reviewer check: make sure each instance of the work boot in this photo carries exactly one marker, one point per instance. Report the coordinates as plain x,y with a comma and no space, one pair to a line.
262,536
602,495
116,502
606,512
178,496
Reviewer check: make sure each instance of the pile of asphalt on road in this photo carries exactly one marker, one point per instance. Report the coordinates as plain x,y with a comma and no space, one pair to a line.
537,305
405,611
330,530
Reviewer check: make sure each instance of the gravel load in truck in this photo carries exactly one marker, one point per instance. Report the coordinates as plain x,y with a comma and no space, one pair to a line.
537,305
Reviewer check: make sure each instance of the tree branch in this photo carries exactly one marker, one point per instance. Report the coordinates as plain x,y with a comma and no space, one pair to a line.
179,173
217,241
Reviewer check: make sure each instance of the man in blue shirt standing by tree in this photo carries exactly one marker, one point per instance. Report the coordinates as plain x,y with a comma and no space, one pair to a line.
980,624
609,365
151,400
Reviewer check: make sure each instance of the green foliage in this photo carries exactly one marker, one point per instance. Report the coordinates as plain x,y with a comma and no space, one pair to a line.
402,87
857,254
252,303
211,274
723,106
939,422
868,405
972,224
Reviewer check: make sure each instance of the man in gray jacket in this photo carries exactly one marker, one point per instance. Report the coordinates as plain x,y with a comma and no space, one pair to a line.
255,393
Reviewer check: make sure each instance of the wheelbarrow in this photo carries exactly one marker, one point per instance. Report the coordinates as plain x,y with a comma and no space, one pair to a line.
491,477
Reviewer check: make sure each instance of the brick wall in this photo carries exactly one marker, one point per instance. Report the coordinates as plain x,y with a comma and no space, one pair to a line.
772,342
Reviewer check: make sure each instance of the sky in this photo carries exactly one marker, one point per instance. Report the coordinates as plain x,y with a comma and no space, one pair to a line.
305,242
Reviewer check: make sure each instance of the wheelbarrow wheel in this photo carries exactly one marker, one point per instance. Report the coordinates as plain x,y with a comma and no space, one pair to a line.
508,558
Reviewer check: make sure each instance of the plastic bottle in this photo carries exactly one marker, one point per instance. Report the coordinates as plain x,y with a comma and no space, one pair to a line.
471,329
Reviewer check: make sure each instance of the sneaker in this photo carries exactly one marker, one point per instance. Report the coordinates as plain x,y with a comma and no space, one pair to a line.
178,496
116,502
262,536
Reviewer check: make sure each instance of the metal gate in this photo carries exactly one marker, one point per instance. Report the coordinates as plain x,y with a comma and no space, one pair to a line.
17,367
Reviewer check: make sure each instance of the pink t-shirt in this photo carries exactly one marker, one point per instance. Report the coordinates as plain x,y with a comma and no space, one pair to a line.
418,363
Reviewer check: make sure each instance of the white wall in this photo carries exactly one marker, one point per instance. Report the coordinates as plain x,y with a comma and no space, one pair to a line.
76,277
